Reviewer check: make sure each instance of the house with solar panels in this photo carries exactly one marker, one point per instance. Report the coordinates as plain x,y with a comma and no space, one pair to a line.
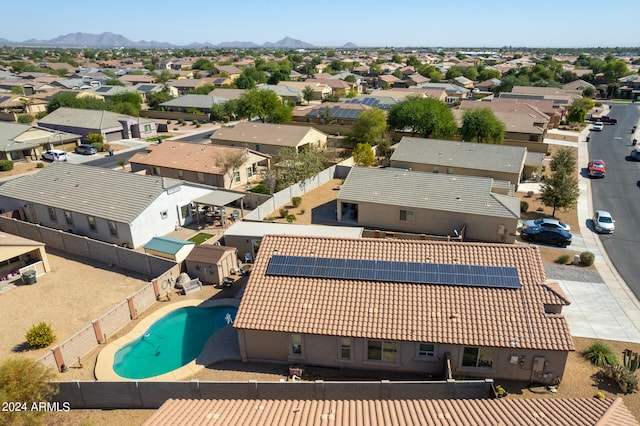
330,116
391,199
439,309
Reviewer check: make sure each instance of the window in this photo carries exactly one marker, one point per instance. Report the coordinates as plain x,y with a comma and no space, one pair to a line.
345,348
164,214
92,223
426,350
68,217
147,127
52,214
436,169
113,228
258,147
249,172
200,177
407,215
296,344
181,174
155,171
382,350
450,170
477,357
236,177
185,211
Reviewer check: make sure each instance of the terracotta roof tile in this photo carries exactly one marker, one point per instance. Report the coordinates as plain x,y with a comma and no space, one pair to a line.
403,311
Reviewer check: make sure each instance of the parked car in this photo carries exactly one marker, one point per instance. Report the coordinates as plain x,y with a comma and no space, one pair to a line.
55,155
597,168
548,222
558,237
597,126
603,222
635,154
86,149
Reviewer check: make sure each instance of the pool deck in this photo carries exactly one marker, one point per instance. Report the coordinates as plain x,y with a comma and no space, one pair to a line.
222,346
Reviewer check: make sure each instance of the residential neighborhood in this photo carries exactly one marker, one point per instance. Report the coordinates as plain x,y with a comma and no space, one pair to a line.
405,228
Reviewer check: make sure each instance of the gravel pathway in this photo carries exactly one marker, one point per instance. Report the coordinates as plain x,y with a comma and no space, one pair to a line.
559,272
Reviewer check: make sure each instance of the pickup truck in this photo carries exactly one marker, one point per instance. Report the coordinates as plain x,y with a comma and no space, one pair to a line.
605,119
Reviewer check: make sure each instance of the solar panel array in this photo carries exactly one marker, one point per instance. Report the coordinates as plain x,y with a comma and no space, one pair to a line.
4,98
103,89
338,112
394,271
369,101
146,87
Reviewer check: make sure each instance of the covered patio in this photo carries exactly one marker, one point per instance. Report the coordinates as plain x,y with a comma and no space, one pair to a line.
213,209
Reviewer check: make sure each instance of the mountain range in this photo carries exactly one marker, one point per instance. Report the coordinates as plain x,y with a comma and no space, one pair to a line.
110,40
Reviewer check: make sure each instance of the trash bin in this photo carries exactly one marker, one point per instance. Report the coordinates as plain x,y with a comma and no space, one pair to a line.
588,138
110,153
29,277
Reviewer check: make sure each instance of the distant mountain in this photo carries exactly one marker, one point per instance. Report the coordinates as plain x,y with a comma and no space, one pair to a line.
108,40
349,44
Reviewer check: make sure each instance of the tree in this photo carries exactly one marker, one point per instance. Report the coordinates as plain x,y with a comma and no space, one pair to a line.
308,94
230,163
154,99
363,155
482,126
370,127
576,115
25,380
563,161
428,117
560,191
258,103
295,166
280,114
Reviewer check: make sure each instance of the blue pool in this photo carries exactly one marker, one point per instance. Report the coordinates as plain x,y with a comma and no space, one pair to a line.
171,342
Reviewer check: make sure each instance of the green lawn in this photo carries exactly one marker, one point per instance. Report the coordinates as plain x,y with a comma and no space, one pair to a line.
200,238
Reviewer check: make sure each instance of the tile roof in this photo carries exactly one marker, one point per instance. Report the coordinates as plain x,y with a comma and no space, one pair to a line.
445,314
120,196
433,191
468,155
190,156
264,133
470,412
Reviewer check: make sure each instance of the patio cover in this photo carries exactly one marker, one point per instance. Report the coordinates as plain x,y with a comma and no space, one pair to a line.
219,198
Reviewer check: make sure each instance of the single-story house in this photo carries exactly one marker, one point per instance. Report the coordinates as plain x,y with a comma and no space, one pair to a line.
287,94
227,70
269,138
211,263
18,254
169,248
455,93
112,126
146,88
329,113
188,103
247,236
206,164
429,203
472,309
184,85
545,110
500,162
107,205
22,141
320,90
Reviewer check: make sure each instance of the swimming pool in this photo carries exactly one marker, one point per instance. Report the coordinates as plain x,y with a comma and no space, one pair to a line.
171,342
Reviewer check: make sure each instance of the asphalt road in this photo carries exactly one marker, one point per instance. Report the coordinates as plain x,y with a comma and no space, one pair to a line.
619,191
204,137
112,162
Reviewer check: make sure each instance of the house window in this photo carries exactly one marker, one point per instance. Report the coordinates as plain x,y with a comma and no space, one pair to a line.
258,147
477,357
450,170
382,350
155,171
181,174
52,214
296,344
436,169
407,216
68,217
236,177
113,228
92,223
185,211
345,348
249,172
426,350
164,214
200,177
147,127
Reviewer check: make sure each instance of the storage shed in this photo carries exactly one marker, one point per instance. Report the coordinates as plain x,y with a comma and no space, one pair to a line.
211,263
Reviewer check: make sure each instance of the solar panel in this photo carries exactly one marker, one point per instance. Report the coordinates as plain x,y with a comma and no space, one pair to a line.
394,271
146,87
4,98
103,89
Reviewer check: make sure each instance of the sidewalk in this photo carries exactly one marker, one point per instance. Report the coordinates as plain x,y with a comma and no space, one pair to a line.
603,310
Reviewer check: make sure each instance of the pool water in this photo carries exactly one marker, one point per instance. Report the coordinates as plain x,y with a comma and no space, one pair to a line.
171,342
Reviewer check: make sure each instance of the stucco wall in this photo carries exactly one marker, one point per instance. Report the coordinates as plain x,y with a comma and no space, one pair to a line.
513,177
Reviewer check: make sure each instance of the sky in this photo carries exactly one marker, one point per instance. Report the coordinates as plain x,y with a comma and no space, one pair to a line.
366,23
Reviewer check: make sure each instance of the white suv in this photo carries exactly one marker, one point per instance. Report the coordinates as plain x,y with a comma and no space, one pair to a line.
55,155
603,222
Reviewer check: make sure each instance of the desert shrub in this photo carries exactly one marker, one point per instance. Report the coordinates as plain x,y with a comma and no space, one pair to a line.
25,119
291,218
530,194
99,146
181,122
601,354
627,381
95,138
39,165
587,258
41,114
284,212
301,211
195,122
106,147
40,335
524,206
6,165
260,189
296,201
168,121
564,259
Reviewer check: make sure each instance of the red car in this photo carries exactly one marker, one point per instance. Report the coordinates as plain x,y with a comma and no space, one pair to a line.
597,168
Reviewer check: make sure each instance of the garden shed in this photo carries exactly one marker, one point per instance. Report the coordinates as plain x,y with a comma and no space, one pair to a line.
211,263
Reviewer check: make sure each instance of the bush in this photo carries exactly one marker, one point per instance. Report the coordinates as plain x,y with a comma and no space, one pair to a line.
530,194
40,335
296,201
301,211
6,165
284,212
291,217
627,381
564,259
181,122
106,147
98,146
39,165
95,138
260,189
601,354
25,119
41,114
524,206
587,258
